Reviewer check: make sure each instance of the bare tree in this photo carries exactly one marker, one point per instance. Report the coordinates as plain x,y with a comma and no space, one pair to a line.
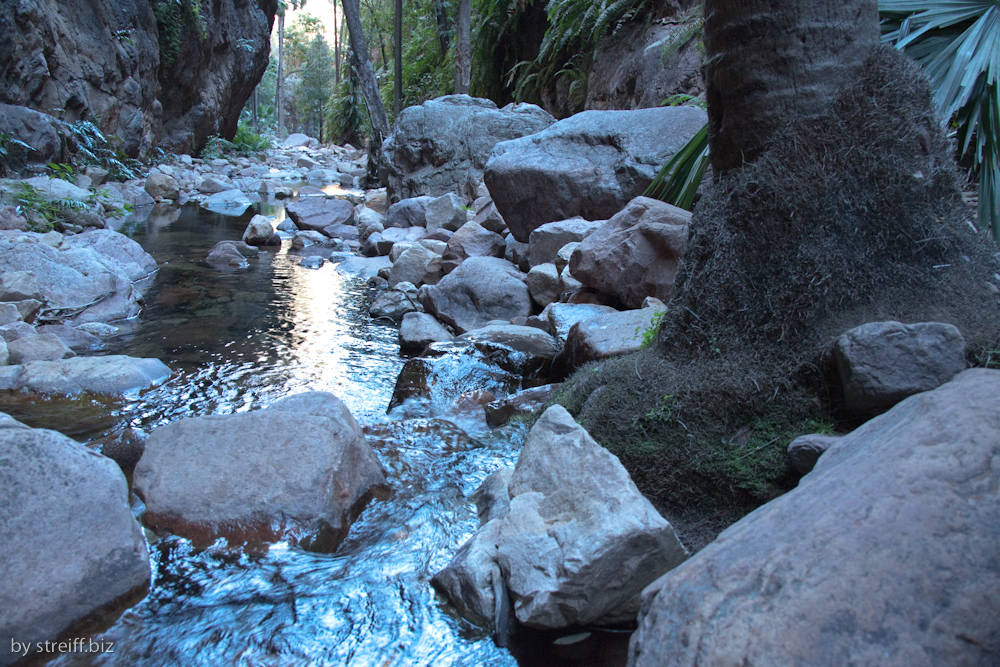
463,50
369,86
397,54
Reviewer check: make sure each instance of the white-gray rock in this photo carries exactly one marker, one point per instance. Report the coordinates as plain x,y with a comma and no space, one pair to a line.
18,285
543,284
295,470
419,330
70,543
885,554
258,230
40,347
805,450
113,374
481,289
546,241
446,212
881,363
418,265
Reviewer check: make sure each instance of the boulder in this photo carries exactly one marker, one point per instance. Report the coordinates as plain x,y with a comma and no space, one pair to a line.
40,347
161,186
521,404
608,335
564,255
446,212
578,542
881,363
9,314
19,285
481,289
636,253
111,375
343,232
4,355
562,316
258,231
805,450
48,136
75,339
212,185
394,304
71,544
411,212
17,330
230,202
489,217
522,350
296,470
419,330
546,241
53,189
442,145
92,277
517,253
11,219
543,284
369,222
884,554
304,239
226,253
471,240
590,164
297,139
418,265
315,213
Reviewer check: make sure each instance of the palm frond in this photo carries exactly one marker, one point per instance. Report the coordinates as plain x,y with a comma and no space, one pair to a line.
678,180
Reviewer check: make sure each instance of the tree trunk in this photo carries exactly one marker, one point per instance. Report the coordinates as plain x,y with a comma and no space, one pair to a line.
772,61
441,13
369,87
279,103
397,54
463,50
336,43
253,107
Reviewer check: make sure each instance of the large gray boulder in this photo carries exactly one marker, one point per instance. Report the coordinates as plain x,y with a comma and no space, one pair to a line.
608,335
40,347
297,470
546,241
48,136
588,165
258,230
410,212
113,374
636,253
162,186
418,265
885,554
481,289
446,212
316,213
442,145
418,330
881,363
70,543
471,240
97,276
577,543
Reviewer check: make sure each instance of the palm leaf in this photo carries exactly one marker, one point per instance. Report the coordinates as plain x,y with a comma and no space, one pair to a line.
678,180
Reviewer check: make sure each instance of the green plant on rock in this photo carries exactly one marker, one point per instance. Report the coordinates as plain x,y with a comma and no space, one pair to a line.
249,142
61,171
94,148
958,44
10,148
649,333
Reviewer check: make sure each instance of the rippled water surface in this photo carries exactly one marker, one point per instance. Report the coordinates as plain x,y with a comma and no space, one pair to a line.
238,340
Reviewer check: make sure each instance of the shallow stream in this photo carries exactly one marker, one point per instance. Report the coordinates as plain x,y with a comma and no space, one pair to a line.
238,340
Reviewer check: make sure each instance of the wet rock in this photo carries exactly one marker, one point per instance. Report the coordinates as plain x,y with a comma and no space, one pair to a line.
881,363
258,231
315,213
479,290
546,241
231,202
213,185
71,545
442,145
75,339
124,448
887,547
311,262
521,404
590,164
605,336
226,253
304,239
296,470
473,582
543,284
410,212
471,240
161,186
419,330
40,347
343,232
567,557
446,212
636,253
492,498
449,370
522,350
805,450
417,265
18,285
113,375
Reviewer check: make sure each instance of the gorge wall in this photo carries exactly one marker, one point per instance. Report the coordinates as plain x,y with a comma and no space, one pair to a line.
103,61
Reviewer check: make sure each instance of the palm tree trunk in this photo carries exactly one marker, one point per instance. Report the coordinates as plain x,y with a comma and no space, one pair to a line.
397,56
772,61
463,51
369,87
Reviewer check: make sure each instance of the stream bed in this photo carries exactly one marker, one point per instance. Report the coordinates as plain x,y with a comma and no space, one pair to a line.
238,340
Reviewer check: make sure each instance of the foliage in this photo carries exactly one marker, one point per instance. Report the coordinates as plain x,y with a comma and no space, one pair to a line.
958,44
649,333
61,170
11,149
678,180
172,18
43,215
347,115
94,148
248,142
315,87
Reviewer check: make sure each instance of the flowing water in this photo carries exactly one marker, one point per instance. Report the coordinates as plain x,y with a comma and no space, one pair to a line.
238,340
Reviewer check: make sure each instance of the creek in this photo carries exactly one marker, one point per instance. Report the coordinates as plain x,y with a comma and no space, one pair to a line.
238,340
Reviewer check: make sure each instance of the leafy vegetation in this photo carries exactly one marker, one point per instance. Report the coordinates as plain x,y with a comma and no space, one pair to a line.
172,18
43,214
958,44
94,148
678,180
11,147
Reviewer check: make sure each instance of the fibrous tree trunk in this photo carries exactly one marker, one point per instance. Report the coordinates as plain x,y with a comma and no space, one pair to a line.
463,51
369,87
397,56
772,61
